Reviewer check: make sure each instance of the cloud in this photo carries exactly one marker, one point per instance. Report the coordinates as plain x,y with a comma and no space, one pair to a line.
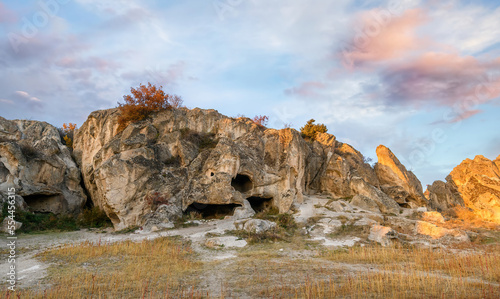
384,36
441,79
6,15
307,89
26,96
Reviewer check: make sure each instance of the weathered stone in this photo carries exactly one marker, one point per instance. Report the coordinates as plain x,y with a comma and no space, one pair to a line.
40,168
382,234
474,184
6,228
385,203
365,203
339,206
396,181
258,225
437,232
435,217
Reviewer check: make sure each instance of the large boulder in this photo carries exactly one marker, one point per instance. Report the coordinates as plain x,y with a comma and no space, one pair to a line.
396,181
385,204
443,196
39,167
195,159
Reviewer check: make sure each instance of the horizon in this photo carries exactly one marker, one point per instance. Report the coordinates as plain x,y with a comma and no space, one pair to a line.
419,77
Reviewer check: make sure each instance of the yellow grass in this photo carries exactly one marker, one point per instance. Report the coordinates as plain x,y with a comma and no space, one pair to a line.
148,269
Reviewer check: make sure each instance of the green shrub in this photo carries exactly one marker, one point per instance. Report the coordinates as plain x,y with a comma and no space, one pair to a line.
310,130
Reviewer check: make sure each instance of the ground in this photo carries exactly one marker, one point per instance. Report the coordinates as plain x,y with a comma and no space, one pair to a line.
326,255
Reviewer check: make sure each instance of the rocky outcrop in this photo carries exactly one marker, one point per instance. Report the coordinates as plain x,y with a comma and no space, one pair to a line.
474,184
396,181
196,159
443,196
40,168
204,162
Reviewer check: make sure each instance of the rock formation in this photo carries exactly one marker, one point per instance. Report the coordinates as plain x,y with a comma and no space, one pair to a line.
400,184
40,168
201,161
474,184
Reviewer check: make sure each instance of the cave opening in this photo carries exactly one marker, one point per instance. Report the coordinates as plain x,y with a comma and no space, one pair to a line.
242,183
210,211
260,204
41,203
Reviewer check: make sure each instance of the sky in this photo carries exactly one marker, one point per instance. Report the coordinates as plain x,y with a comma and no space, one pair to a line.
420,77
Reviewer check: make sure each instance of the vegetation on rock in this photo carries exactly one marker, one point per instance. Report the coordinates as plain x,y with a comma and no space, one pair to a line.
310,130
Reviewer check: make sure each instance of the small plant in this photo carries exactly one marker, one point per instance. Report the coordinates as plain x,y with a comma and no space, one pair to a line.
310,130
144,101
67,132
261,120
29,151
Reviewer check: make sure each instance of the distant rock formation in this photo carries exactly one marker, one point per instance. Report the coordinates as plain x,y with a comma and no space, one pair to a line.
474,184
35,162
400,184
201,161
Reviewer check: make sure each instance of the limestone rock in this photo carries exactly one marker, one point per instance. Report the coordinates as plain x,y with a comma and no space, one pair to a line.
339,206
258,225
4,226
437,232
382,234
396,181
474,184
443,196
385,203
244,211
40,168
190,156
435,217
365,203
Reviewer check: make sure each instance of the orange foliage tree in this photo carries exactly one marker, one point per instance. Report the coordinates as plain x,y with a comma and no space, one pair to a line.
144,101
261,120
68,132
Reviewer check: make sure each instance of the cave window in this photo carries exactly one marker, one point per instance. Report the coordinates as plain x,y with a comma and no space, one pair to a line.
212,174
242,183
260,204
209,211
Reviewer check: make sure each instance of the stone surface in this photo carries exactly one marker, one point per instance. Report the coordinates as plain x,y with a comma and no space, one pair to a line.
382,234
4,226
258,225
431,216
40,168
385,203
396,181
474,184
437,232
365,203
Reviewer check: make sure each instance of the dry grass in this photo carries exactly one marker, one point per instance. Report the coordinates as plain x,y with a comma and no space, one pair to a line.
149,269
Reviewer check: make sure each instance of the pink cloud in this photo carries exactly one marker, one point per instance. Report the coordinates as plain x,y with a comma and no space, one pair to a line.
446,79
384,36
307,89
6,15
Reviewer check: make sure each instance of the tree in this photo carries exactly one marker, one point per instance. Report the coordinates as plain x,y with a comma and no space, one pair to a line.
68,130
143,101
261,120
310,130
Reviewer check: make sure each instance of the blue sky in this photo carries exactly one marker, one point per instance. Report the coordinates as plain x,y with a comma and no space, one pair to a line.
421,77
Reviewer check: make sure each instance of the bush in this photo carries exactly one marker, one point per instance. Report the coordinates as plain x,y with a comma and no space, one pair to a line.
144,101
67,132
261,120
310,130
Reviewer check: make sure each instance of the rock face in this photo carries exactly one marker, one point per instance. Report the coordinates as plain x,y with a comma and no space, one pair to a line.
40,168
474,184
400,184
204,162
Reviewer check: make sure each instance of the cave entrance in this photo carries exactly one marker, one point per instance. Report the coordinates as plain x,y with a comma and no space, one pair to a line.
41,203
208,211
242,183
260,204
